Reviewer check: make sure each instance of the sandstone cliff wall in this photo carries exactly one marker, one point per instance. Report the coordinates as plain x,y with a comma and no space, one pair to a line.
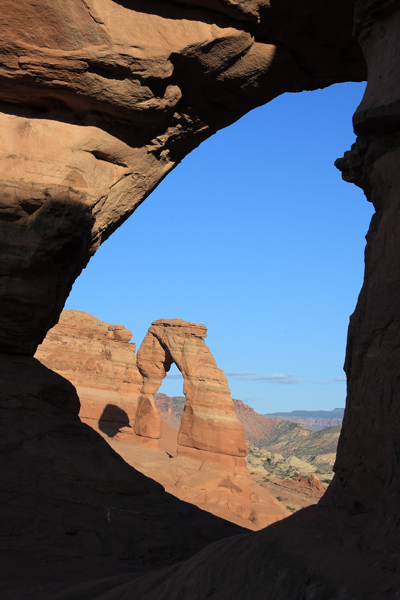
100,361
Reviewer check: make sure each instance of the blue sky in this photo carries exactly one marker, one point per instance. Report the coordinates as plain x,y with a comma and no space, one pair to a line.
255,235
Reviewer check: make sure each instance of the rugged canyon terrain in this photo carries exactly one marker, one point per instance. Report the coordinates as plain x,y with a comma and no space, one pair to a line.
101,361
99,101
116,388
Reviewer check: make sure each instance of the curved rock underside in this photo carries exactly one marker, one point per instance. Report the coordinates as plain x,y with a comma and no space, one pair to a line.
99,100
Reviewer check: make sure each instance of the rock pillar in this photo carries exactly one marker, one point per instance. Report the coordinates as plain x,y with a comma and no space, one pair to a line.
368,461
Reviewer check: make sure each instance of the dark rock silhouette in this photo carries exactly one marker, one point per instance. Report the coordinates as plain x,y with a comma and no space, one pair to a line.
112,420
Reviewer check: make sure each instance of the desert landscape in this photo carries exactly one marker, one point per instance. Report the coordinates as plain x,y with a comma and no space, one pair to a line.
100,498
110,378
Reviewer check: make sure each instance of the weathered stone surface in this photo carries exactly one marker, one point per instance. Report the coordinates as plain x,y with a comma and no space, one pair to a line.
209,468
101,363
209,421
298,492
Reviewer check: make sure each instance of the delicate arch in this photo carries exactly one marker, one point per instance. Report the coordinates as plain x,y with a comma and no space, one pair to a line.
209,420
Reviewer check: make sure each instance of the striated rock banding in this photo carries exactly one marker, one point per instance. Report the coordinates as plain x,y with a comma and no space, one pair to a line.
100,361
211,443
209,421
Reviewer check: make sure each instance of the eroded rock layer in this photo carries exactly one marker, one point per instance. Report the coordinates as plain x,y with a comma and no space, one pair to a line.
101,363
210,468
99,360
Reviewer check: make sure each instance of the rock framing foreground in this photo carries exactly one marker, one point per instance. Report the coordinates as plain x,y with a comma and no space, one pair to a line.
99,100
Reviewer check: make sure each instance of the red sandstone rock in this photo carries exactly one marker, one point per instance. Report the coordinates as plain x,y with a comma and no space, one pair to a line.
209,468
308,487
97,358
101,363
209,421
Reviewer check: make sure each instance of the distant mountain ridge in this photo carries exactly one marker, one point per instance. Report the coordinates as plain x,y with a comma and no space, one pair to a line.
315,419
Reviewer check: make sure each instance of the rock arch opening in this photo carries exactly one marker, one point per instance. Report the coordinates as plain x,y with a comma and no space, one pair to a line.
308,222
125,135
170,399
209,421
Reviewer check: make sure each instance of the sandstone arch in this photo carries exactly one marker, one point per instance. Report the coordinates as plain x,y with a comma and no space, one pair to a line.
209,421
99,360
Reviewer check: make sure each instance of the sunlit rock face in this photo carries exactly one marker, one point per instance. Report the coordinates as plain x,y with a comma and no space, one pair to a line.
209,467
100,99
100,361
209,471
209,421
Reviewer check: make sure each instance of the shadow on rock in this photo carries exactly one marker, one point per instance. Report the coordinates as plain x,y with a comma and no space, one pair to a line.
112,420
